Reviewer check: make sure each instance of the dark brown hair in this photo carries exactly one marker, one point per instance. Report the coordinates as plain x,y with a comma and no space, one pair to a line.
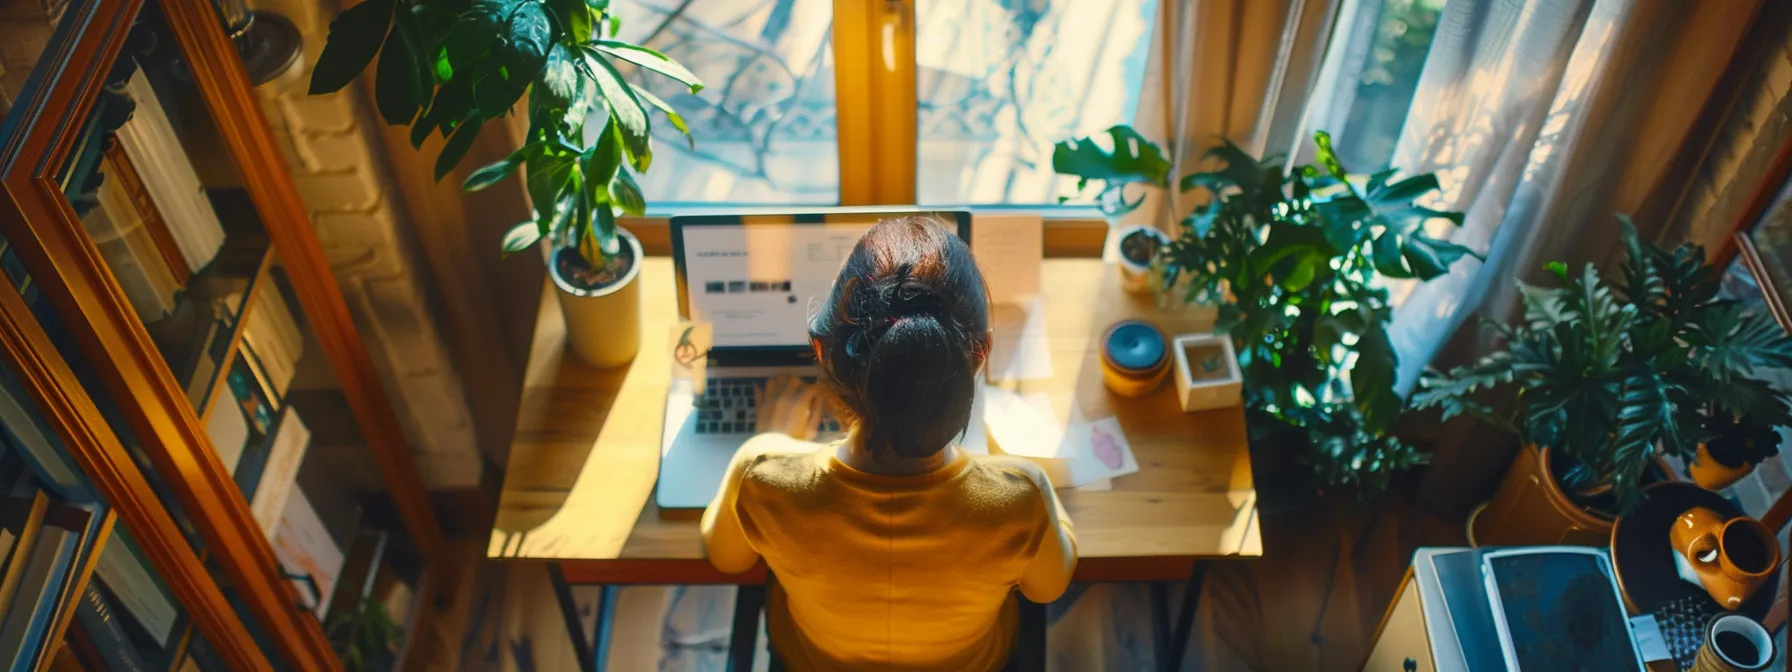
902,335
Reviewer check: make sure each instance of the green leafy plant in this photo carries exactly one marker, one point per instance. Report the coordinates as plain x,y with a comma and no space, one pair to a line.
365,637
1293,260
451,66
1610,375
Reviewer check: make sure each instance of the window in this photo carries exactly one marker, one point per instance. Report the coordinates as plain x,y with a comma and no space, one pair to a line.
999,82
765,123
996,83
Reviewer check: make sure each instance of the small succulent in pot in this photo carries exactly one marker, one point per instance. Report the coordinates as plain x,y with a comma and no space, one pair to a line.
1139,249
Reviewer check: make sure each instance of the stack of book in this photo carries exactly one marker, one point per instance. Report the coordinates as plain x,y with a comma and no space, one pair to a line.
168,178
43,545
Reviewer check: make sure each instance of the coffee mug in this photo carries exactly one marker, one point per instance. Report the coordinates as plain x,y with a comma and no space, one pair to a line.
1731,557
1734,643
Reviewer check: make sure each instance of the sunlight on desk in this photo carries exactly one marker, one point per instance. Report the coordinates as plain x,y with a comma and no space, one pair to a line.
585,455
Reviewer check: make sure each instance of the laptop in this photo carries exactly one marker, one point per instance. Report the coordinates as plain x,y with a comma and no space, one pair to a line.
754,279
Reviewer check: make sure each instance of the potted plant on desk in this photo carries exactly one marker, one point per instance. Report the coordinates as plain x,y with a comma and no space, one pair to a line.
1600,379
451,67
1295,261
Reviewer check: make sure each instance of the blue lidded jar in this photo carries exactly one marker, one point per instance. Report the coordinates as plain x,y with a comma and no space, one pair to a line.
1134,358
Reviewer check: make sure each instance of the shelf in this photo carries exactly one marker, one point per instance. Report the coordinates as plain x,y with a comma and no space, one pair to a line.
59,580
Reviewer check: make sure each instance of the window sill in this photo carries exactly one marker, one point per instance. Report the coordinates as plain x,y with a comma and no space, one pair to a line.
1070,232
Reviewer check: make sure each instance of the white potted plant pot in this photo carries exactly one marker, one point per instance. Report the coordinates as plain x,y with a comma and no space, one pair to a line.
1139,246
1207,375
602,309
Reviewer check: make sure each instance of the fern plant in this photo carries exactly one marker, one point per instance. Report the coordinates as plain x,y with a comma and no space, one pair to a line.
1611,375
1293,259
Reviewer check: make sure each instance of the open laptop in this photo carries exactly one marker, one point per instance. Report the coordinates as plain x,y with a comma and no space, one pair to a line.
754,279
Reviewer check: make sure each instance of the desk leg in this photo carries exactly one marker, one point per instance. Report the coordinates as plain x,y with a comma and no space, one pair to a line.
569,612
743,642
1185,617
591,651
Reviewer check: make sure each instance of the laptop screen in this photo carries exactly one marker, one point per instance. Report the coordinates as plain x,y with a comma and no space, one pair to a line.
754,284
757,278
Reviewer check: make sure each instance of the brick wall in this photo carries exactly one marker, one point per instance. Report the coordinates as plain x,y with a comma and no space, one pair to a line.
341,171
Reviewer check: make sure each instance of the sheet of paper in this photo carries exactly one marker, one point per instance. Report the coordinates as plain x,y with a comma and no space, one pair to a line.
1011,250
1020,348
1100,451
1024,426
1649,638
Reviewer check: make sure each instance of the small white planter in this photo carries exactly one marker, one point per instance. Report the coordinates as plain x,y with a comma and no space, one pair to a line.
1207,375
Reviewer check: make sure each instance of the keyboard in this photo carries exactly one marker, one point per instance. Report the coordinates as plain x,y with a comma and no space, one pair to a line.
731,406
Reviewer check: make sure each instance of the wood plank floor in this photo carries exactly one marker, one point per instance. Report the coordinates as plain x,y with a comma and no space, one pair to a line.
1312,602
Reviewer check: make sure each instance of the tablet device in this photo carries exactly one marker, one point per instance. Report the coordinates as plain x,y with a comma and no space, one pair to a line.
1558,608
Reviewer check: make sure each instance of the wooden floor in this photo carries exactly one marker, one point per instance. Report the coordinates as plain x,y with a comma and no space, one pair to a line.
1312,602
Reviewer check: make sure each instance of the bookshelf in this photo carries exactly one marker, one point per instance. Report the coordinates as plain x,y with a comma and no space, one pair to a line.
205,459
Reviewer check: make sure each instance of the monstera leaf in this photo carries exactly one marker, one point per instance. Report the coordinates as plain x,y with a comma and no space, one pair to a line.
1132,160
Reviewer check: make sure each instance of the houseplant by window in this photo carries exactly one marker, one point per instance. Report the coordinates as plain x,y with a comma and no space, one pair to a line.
1292,258
1597,379
451,66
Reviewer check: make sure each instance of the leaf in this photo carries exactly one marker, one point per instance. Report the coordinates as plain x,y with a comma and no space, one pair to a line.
1734,341
395,87
453,102
1429,257
1328,158
559,79
473,34
457,147
520,237
631,118
546,176
355,36
652,60
626,194
1372,379
1133,159
1385,252
1379,181
671,114
1405,191
603,159
493,173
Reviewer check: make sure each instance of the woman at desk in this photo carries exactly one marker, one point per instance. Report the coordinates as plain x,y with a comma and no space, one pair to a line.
894,548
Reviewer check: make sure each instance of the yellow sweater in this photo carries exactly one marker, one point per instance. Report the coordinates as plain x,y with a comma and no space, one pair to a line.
890,572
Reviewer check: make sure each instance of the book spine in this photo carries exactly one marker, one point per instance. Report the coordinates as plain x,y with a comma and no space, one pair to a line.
124,175
109,639
167,174
291,439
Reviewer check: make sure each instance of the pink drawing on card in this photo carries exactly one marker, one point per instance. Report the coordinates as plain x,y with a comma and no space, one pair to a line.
1106,447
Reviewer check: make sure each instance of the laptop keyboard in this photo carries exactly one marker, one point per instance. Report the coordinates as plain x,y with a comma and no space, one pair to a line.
731,406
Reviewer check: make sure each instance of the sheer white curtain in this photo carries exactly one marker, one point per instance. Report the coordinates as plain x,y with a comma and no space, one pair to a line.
1541,118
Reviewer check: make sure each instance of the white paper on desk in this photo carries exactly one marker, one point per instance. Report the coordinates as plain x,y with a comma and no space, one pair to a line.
1010,250
1100,452
1020,348
1023,426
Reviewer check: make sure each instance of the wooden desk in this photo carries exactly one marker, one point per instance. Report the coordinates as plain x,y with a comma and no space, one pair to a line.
578,490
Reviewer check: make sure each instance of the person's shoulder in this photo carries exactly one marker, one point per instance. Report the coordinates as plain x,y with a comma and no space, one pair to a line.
1009,476
777,460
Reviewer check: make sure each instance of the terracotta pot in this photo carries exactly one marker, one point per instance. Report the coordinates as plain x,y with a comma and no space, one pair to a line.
1732,557
1734,643
603,325
1713,475
1530,509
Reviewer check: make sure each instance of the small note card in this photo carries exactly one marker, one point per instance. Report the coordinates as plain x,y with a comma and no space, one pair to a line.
1010,249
